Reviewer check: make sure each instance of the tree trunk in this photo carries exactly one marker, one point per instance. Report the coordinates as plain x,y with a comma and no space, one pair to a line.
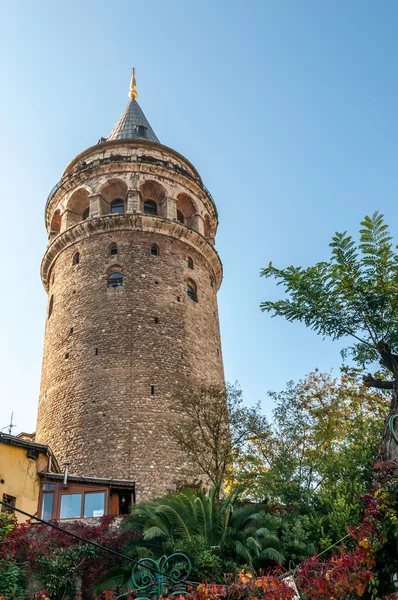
388,446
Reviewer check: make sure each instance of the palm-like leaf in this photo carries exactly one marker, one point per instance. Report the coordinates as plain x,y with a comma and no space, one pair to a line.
117,577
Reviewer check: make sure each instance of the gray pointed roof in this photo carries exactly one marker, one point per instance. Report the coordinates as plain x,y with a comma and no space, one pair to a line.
126,127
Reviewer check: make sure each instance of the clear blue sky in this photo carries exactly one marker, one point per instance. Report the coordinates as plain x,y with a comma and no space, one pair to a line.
287,108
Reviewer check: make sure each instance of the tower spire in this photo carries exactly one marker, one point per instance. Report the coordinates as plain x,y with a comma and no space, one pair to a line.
133,86
132,124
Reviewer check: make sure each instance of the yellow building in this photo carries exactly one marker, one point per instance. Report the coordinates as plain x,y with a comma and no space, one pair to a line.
21,461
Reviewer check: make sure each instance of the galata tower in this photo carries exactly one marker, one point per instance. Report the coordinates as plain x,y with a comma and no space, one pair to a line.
132,276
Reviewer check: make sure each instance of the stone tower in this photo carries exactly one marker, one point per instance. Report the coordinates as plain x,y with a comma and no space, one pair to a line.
132,276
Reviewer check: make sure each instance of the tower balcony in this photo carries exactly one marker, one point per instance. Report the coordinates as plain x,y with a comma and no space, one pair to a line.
94,226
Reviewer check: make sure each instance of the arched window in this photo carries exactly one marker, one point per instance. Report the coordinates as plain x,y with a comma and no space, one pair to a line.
180,217
190,262
50,306
141,131
154,250
113,250
191,290
150,207
115,280
117,206
76,258
86,213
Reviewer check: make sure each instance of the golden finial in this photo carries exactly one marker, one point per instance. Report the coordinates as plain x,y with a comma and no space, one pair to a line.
133,86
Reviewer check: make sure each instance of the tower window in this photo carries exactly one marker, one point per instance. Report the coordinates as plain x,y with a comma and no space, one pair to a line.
154,250
71,331
180,217
50,306
192,291
150,207
141,131
76,258
190,262
117,206
211,281
152,390
86,214
115,280
156,320
113,250
66,355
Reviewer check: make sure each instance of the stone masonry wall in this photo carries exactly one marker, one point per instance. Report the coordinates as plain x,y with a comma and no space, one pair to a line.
103,352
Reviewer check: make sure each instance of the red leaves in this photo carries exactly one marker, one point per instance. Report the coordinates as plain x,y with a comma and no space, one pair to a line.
247,586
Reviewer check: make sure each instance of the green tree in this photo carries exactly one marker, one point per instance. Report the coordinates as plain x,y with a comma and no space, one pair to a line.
215,427
218,535
11,573
315,459
226,527
353,294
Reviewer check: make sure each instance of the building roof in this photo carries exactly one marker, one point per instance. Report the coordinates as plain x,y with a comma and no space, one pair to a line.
127,127
13,440
127,483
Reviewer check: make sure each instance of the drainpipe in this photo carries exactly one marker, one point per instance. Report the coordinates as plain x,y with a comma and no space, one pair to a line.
66,467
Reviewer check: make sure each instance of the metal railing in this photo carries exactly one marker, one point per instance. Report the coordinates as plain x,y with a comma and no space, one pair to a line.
116,158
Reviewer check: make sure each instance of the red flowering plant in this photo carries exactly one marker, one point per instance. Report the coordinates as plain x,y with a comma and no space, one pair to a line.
58,560
365,568
246,586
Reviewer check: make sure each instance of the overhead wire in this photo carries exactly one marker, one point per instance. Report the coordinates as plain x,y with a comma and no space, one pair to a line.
82,539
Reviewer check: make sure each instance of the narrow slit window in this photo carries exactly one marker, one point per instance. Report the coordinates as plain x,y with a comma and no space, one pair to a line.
190,262
152,390
71,331
66,355
50,307
113,250
156,320
76,258
154,250
192,291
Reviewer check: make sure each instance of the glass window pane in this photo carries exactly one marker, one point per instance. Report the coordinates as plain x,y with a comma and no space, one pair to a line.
115,280
150,207
94,504
47,508
117,206
49,486
70,506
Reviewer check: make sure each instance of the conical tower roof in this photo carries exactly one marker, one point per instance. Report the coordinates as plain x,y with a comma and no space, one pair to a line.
132,124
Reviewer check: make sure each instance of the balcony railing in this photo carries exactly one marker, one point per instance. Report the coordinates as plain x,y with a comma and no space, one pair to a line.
88,166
